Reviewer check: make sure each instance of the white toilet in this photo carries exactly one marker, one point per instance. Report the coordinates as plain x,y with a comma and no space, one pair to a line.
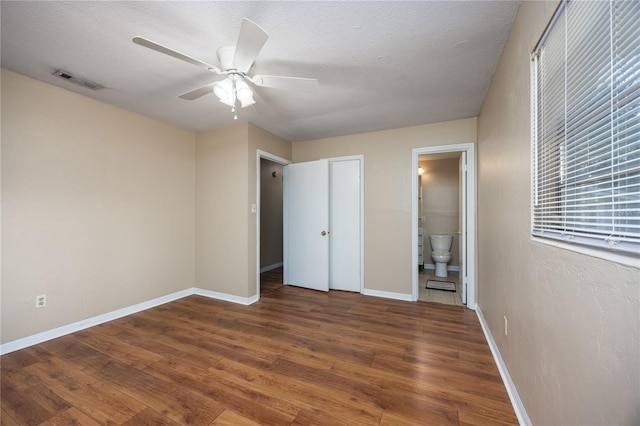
441,254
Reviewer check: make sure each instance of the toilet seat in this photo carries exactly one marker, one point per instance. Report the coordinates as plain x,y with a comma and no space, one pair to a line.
441,252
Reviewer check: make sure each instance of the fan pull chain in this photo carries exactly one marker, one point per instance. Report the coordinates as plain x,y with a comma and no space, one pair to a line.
233,108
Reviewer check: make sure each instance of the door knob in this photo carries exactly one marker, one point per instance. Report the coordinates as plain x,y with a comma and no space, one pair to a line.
457,233
323,233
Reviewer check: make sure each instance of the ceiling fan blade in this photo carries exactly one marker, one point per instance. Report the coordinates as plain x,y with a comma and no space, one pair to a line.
167,51
286,83
249,44
198,93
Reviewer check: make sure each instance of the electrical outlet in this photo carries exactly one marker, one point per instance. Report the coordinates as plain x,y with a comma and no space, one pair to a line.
41,301
505,325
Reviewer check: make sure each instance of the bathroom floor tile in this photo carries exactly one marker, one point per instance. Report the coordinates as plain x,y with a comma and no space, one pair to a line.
439,296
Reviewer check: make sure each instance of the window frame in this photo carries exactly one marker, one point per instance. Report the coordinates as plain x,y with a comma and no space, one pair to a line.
590,244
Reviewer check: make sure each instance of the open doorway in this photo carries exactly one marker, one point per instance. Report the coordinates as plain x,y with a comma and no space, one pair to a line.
443,224
439,228
269,222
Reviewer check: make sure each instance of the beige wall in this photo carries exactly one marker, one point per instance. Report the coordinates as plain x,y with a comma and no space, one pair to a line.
101,209
97,207
222,207
226,186
270,213
572,347
387,191
441,204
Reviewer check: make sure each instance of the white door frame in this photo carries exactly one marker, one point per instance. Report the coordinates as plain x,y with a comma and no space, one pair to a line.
282,161
462,224
469,148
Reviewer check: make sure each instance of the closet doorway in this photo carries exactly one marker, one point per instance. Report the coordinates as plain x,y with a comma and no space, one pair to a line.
269,222
323,224
344,226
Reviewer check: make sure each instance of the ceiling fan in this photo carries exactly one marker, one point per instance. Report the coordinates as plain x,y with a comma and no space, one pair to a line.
235,63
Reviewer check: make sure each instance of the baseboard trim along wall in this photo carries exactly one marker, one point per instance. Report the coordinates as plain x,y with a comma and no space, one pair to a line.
25,342
226,297
518,406
90,322
270,267
110,316
388,295
452,268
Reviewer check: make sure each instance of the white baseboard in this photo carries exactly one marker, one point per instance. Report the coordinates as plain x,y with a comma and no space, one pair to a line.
226,297
119,313
516,402
90,322
270,267
388,295
452,268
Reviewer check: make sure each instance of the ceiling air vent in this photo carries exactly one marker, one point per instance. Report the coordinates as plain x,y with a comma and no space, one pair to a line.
77,80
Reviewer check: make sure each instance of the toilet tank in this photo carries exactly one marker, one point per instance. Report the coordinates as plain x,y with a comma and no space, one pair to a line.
441,242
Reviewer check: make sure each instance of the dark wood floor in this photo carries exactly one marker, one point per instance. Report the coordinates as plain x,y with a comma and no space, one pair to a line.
270,281
296,357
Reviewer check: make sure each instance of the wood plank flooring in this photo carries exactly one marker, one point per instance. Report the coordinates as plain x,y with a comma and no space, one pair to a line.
297,357
270,281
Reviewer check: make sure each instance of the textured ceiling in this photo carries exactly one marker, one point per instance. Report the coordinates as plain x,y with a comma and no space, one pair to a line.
380,65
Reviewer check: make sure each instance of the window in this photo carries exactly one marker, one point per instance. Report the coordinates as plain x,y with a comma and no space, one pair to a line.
586,126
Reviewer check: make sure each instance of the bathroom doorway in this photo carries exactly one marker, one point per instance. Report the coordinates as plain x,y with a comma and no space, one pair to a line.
439,208
444,205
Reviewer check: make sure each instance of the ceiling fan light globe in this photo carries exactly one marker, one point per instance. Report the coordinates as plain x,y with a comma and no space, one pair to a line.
219,92
247,102
223,89
243,92
245,95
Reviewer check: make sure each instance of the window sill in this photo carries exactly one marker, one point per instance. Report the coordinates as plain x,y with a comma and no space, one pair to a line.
623,259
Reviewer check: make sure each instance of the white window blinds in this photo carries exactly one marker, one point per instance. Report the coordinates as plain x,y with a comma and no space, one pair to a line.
586,126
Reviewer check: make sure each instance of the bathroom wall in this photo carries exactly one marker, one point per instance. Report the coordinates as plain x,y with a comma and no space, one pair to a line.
440,204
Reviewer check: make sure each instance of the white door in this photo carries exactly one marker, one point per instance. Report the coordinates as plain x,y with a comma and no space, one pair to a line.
463,225
344,216
306,225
